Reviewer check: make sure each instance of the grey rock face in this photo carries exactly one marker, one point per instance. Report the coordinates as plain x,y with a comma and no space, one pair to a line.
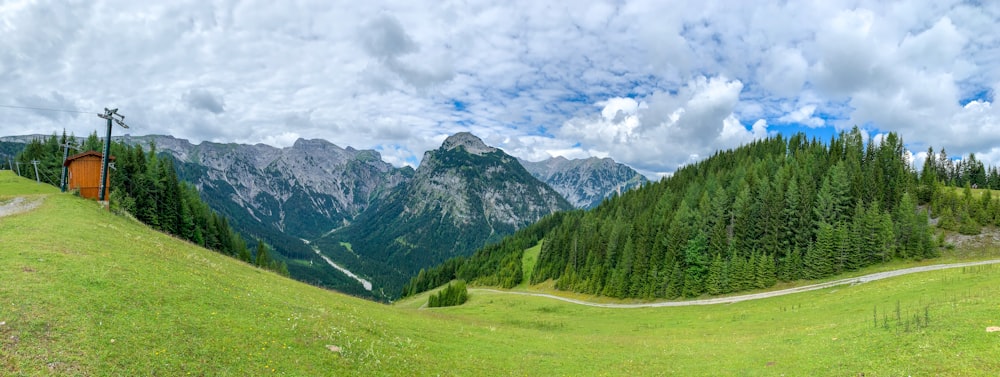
493,186
585,182
304,190
471,143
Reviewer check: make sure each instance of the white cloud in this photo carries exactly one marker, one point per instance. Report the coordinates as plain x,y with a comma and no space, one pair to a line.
784,71
935,48
919,159
803,116
664,130
282,140
670,80
849,53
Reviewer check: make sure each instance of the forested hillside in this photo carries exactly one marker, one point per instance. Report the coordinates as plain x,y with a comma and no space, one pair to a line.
146,186
779,209
464,195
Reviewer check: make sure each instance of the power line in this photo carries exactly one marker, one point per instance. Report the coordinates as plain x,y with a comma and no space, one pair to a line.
62,111
46,109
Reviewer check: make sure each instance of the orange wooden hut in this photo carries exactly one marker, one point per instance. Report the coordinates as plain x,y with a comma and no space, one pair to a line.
84,170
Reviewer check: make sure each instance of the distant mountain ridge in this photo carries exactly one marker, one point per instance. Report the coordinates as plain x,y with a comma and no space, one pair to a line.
585,183
303,190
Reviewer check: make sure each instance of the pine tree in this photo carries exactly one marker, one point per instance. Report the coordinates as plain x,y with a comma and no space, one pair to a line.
913,238
792,266
923,241
714,279
983,209
760,270
794,232
743,219
772,215
928,178
718,239
93,143
735,273
280,267
885,246
899,176
818,259
675,285
860,226
832,200
842,248
695,266
170,211
770,272
263,259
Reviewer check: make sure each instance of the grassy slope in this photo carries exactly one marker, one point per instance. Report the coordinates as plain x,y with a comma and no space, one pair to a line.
977,193
88,293
528,261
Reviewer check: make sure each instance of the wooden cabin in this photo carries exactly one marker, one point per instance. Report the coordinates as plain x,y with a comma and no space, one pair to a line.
84,174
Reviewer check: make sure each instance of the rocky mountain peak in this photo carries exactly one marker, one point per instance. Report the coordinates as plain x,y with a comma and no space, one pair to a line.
457,200
471,143
585,182
313,143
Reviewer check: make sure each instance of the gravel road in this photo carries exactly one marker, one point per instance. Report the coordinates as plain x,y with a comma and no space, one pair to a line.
755,296
18,205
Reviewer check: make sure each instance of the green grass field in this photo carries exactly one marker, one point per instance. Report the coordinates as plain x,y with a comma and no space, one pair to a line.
88,293
977,193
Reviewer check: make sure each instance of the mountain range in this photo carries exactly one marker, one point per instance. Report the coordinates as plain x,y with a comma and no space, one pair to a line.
345,219
585,183
464,195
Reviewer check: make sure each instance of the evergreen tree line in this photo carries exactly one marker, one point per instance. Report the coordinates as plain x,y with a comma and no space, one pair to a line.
778,209
146,186
774,210
452,295
959,212
958,173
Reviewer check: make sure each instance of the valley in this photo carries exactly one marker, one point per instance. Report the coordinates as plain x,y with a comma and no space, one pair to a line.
364,283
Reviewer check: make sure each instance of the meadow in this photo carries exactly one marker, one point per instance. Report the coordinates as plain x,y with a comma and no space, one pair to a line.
88,293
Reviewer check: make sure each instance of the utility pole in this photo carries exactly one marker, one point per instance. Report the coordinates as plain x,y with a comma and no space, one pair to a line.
62,181
18,168
109,114
35,162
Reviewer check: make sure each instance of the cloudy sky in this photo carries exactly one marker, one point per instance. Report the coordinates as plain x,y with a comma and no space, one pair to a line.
654,84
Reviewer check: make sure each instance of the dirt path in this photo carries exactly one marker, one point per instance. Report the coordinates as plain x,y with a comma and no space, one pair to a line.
755,296
18,205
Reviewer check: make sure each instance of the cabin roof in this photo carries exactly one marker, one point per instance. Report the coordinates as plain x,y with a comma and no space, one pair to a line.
85,154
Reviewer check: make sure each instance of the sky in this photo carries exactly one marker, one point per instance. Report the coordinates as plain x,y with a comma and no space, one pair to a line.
653,84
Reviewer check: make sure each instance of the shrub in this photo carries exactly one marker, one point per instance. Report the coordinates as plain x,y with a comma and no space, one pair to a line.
452,295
